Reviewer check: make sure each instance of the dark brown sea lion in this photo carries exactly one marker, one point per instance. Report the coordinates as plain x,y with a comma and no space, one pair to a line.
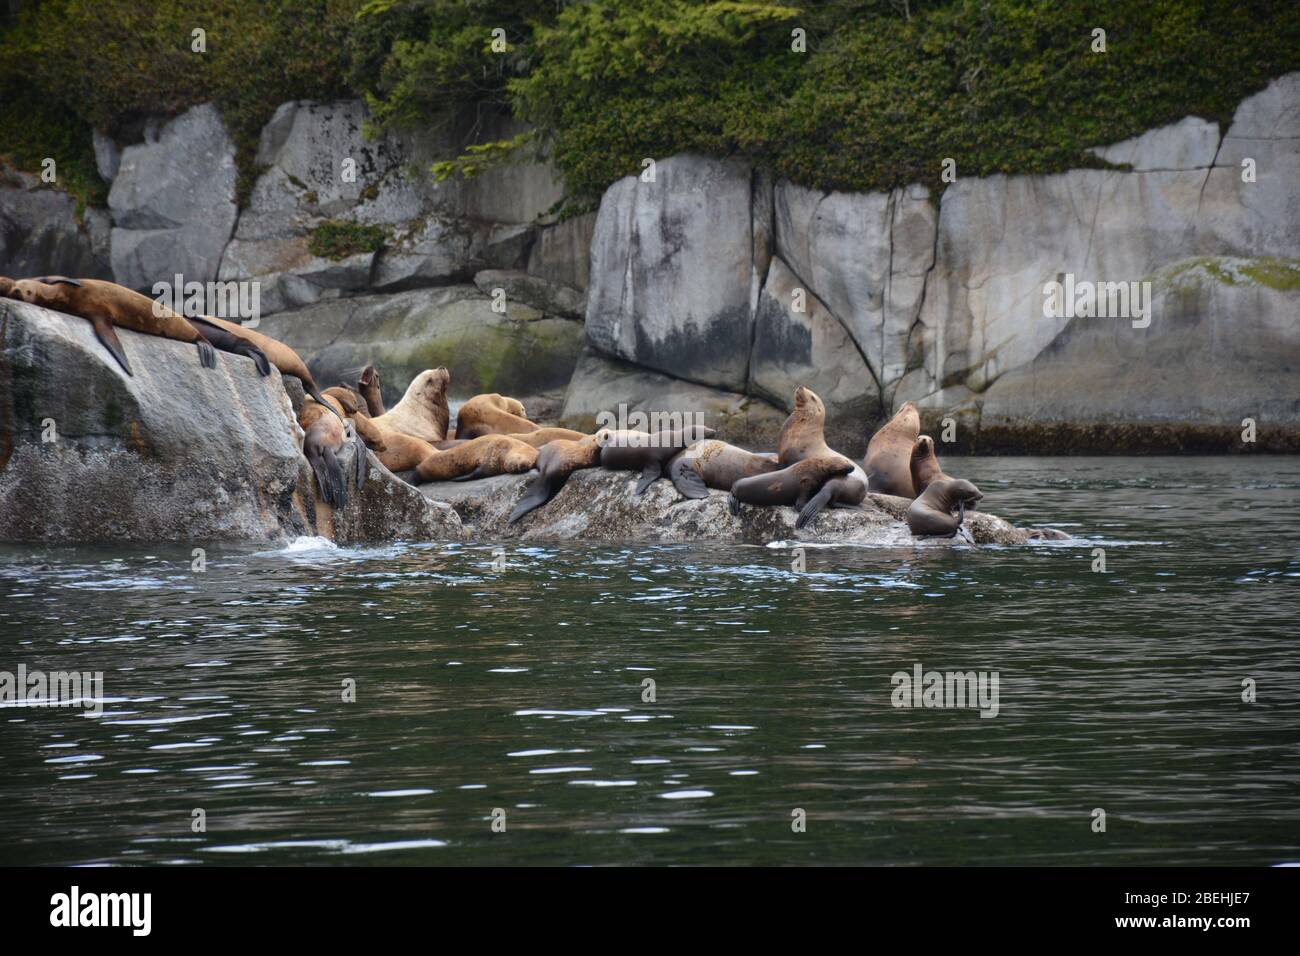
480,457
847,491
628,450
492,414
422,413
106,305
368,387
556,461
889,454
715,464
924,466
795,485
932,512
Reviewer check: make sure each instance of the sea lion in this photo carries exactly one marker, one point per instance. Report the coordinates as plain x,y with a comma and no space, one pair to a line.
492,414
847,491
924,466
280,355
715,464
481,457
1046,534
803,436
368,387
628,450
932,512
422,413
324,437
544,435
556,461
106,305
795,485
804,433
889,454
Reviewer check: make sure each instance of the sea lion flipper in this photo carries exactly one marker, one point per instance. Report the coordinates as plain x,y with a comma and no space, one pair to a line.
534,497
362,459
259,357
57,280
107,336
687,480
814,507
651,473
329,476
733,504
472,476
207,354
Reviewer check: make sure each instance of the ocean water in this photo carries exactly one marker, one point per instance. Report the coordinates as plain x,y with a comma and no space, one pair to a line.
420,704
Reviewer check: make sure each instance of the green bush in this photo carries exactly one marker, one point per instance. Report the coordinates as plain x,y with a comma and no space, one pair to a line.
337,239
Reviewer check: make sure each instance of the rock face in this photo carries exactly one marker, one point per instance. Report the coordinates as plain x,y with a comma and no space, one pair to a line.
599,506
673,264
174,453
603,387
40,235
520,352
173,202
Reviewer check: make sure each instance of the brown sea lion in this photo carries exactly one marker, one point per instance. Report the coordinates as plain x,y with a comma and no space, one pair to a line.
932,512
544,435
422,413
6,286
803,436
795,485
556,461
368,387
804,433
492,414
324,437
924,466
628,450
280,355
481,457
1046,534
106,305
889,454
715,464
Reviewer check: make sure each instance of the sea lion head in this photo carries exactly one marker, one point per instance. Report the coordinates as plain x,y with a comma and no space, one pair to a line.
806,399
369,376
38,293
908,417
923,448
6,286
964,491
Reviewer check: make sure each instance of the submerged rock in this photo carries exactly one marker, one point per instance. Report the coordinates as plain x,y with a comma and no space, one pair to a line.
599,506
174,452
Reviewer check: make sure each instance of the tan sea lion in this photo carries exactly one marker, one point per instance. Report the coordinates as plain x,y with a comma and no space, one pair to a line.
715,464
280,355
422,413
481,457
106,305
924,465
629,450
795,485
932,512
556,461
889,454
368,387
804,433
492,414
544,435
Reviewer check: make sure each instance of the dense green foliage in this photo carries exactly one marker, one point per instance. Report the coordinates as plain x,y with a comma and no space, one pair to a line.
335,239
886,90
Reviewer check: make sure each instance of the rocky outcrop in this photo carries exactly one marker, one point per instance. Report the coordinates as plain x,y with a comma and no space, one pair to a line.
40,234
173,202
599,506
521,351
673,265
175,452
